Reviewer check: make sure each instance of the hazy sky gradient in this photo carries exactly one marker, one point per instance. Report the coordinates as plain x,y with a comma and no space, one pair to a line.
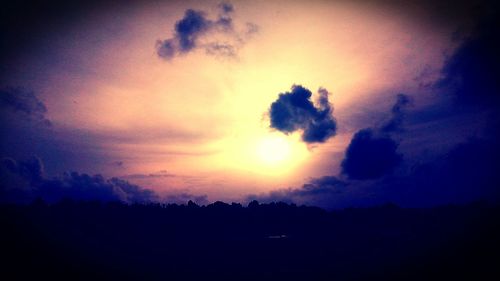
119,109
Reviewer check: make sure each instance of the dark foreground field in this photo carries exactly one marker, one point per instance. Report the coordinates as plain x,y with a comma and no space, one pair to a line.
91,241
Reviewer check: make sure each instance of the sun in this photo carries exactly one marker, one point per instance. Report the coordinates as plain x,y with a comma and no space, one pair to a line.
273,150
262,152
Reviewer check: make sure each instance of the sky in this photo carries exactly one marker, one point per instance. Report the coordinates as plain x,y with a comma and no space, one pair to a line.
325,103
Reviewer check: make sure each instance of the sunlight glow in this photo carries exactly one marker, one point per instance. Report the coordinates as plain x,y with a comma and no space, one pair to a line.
206,118
273,150
275,154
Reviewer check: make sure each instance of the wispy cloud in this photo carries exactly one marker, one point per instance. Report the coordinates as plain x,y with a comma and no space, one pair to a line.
197,31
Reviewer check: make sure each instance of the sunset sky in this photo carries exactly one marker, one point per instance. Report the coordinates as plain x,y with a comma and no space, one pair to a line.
208,100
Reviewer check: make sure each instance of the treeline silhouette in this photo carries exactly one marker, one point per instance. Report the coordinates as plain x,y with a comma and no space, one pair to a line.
74,240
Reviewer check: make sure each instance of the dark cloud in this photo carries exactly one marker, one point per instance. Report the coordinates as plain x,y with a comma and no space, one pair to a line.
226,7
372,153
188,29
294,111
369,156
26,131
25,181
23,104
24,127
398,110
472,72
195,25
318,191
463,173
225,21
466,173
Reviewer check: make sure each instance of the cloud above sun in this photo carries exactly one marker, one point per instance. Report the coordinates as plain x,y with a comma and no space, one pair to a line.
218,37
295,111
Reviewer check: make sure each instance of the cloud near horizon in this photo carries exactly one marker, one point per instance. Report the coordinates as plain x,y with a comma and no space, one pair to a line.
369,156
372,152
25,181
317,191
